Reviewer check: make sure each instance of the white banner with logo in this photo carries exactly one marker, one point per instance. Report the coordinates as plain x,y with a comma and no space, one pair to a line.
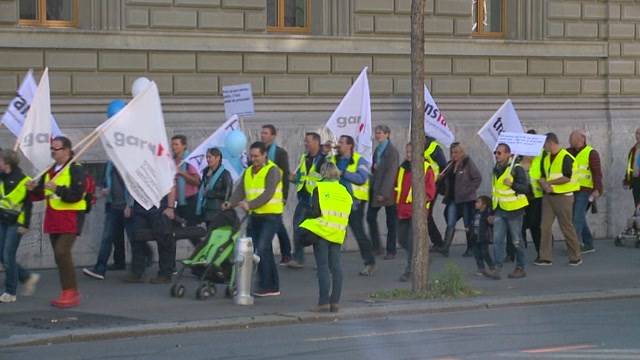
522,143
505,119
17,110
34,138
434,121
353,116
197,158
136,141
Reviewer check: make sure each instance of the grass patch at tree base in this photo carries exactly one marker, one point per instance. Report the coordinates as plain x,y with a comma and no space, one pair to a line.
449,284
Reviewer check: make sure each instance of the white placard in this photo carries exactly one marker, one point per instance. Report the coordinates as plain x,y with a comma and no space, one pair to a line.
522,143
238,100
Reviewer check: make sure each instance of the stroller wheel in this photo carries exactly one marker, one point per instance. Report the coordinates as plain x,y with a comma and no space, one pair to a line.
205,291
177,290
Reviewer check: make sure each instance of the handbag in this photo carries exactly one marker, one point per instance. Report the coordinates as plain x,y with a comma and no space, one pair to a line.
9,216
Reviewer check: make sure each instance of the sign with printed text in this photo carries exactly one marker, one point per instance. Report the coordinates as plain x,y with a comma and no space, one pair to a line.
238,100
522,143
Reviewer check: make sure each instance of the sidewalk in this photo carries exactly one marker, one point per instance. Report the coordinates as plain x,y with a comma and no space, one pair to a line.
113,308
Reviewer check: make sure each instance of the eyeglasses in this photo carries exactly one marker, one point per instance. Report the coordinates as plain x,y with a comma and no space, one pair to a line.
55,149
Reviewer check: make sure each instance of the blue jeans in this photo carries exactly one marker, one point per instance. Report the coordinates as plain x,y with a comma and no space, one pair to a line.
298,217
453,212
262,229
9,242
327,256
285,243
115,226
580,203
500,226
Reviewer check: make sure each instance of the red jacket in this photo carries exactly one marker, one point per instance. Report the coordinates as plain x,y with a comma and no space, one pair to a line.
63,221
403,207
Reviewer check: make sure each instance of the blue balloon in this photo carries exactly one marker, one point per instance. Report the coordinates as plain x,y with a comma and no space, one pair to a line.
235,142
115,106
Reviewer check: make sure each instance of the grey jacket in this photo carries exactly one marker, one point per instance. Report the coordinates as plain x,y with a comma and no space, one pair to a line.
383,177
467,181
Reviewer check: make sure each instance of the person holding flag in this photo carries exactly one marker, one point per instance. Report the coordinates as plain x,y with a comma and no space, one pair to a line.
355,177
435,156
63,189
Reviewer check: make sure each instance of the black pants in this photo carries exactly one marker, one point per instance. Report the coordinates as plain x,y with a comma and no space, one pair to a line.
532,219
356,223
372,220
157,222
482,255
635,188
188,213
432,228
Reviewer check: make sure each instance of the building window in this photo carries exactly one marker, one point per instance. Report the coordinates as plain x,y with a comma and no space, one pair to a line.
488,17
288,15
52,13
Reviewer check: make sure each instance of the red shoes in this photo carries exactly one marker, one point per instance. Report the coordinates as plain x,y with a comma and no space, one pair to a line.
68,298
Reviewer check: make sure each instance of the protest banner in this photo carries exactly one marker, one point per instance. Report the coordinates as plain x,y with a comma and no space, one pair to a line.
238,100
522,143
505,119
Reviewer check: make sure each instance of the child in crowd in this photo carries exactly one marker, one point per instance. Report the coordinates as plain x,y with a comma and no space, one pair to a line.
481,233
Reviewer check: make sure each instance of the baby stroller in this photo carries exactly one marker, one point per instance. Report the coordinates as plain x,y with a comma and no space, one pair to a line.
211,260
632,233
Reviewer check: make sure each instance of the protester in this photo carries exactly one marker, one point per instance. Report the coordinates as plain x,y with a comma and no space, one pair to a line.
559,182
385,162
326,228
63,188
404,200
281,158
482,235
533,212
510,186
306,176
435,156
261,195
187,183
215,189
632,173
459,183
589,177
328,149
354,171
15,217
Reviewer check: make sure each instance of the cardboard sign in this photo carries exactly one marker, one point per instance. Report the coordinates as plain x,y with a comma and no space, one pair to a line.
238,100
522,143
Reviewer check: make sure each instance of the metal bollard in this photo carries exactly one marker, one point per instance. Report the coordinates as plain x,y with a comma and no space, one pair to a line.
244,260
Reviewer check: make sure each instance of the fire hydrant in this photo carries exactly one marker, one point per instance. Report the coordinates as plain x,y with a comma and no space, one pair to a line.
244,261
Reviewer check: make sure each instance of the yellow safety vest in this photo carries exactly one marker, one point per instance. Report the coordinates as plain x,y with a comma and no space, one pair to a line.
504,196
427,156
535,173
584,177
14,200
335,204
400,181
254,186
554,171
63,179
360,192
629,174
308,179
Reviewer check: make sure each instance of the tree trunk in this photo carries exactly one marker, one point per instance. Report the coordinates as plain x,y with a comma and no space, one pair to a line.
420,260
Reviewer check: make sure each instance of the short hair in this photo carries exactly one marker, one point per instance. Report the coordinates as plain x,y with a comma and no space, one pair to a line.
260,146
272,129
182,138
485,200
314,135
214,151
329,171
66,143
505,146
10,158
531,131
349,140
552,137
384,128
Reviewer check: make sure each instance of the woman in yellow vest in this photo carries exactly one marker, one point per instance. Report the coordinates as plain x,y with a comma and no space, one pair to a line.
15,215
63,188
326,228
260,193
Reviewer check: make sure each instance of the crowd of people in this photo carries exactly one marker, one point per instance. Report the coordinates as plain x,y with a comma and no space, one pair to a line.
335,188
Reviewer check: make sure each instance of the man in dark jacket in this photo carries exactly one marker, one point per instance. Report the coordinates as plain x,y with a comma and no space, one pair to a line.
280,157
385,163
435,156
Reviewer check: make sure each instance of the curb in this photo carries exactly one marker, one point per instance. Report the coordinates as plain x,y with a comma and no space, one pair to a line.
370,311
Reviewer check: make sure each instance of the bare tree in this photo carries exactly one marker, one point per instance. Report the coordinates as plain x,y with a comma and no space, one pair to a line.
420,260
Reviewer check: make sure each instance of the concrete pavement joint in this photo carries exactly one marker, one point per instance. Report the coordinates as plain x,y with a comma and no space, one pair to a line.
80,335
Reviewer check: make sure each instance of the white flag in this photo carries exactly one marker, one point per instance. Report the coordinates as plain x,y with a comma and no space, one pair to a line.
353,116
434,121
14,117
34,138
135,140
197,158
505,119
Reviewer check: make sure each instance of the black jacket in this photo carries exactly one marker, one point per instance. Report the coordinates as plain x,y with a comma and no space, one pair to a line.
282,160
220,193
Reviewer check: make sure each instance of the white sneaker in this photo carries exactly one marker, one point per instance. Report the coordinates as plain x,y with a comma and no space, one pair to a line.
29,286
92,274
7,298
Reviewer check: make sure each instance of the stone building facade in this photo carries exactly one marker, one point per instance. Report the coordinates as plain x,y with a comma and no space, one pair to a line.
565,64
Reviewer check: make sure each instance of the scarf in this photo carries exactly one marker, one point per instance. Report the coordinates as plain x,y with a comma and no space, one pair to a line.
182,199
271,152
380,150
204,188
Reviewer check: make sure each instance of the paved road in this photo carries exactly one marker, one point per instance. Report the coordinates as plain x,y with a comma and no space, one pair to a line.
589,330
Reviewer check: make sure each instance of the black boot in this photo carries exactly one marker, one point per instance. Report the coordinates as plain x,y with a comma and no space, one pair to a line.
469,251
448,239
